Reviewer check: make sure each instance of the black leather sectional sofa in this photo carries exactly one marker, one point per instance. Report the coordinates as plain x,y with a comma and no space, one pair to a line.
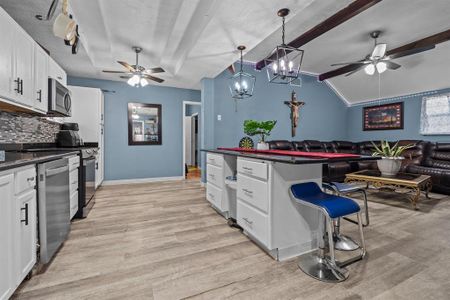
424,158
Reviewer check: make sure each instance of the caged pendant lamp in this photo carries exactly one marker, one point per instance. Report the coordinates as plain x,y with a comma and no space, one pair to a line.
241,84
283,63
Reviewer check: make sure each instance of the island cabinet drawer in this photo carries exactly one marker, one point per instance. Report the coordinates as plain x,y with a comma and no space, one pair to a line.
214,195
254,222
214,159
252,168
214,175
25,180
253,191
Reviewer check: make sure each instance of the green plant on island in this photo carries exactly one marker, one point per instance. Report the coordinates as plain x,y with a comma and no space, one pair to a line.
385,149
263,128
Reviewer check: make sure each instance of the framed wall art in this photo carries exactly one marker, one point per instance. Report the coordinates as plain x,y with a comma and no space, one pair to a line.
383,117
144,124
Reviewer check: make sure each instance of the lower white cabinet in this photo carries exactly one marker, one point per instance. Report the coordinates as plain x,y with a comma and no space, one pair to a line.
74,164
6,235
26,224
18,227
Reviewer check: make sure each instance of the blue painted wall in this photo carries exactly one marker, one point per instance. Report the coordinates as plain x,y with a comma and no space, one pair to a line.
322,118
129,162
412,110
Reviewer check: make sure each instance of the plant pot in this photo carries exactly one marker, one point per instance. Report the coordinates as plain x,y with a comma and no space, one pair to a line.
262,146
389,166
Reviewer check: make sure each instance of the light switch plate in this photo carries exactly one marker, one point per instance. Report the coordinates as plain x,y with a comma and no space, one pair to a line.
219,117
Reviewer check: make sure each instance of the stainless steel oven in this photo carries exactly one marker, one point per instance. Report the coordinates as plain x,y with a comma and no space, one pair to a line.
59,101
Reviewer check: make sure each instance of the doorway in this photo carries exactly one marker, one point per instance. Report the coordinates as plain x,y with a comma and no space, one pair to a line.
191,140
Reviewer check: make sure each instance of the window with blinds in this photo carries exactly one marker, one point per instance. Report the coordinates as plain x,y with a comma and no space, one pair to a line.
435,116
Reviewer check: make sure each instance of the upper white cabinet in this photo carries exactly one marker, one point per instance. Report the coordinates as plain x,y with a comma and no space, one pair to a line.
6,58
56,72
25,68
40,79
23,58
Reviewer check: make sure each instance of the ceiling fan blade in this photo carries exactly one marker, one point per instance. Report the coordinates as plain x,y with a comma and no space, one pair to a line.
127,65
126,76
51,10
379,51
343,70
430,41
411,52
350,63
354,71
115,72
156,70
391,65
158,80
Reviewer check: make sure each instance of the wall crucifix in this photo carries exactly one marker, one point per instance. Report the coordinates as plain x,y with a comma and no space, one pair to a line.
294,105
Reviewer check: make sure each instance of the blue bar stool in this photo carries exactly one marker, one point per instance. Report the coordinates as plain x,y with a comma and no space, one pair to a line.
321,264
342,242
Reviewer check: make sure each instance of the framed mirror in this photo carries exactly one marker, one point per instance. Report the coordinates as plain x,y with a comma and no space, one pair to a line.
144,124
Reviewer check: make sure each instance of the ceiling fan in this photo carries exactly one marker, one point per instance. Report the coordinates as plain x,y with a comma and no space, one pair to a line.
378,60
138,75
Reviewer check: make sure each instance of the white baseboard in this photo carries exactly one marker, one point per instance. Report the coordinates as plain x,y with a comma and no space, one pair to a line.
141,180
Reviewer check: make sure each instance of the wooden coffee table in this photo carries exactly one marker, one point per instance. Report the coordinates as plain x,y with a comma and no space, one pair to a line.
414,182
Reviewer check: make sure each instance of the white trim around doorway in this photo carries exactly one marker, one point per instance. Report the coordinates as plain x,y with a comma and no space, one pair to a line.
185,104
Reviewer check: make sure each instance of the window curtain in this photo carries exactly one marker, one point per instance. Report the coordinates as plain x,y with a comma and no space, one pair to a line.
435,116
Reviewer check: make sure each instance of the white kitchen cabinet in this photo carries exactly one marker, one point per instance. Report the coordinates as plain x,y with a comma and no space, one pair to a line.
23,58
40,79
26,224
6,235
56,72
18,227
74,164
6,57
88,112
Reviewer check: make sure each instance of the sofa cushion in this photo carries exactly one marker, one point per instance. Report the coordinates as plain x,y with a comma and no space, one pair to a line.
281,145
345,147
314,146
439,177
438,156
367,148
414,155
299,145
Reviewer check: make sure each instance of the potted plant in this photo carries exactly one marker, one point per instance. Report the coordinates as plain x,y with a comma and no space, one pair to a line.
263,129
391,161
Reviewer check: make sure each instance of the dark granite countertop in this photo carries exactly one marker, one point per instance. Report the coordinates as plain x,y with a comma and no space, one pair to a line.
290,159
19,159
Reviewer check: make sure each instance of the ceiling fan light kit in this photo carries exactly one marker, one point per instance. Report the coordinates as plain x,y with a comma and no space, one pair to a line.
284,62
241,84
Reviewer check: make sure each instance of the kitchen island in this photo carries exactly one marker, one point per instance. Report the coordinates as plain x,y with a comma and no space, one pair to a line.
252,187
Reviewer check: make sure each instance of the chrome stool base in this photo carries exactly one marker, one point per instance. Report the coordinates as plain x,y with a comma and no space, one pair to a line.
321,268
344,243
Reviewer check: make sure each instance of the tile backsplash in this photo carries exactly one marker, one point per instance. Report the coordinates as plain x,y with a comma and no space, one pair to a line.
26,128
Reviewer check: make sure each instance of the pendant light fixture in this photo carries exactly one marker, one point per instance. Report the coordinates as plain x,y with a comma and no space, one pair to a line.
283,63
241,84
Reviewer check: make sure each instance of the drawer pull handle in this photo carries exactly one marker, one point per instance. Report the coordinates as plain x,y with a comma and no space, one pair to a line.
30,179
212,160
248,170
212,176
248,221
26,214
250,193
211,195
75,182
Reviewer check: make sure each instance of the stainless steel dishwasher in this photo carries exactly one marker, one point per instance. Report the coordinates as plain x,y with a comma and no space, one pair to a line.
53,206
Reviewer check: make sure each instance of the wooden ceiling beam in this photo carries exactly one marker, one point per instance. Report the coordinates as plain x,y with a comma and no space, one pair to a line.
353,9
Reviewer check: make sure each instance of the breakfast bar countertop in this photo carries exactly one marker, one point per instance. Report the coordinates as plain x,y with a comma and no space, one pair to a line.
288,158
19,159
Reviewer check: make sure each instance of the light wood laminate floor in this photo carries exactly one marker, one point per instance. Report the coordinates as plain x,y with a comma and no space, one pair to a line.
163,241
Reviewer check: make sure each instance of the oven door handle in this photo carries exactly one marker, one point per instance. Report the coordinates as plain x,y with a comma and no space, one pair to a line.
55,171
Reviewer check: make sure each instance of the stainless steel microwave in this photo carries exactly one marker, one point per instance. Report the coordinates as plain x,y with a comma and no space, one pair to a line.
59,101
